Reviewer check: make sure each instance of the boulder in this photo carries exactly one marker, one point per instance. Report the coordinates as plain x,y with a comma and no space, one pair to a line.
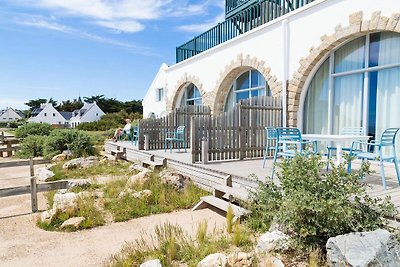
67,153
272,241
72,222
151,263
142,194
109,158
174,179
240,259
64,200
136,167
83,183
47,216
81,163
139,178
59,157
43,174
214,260
376,248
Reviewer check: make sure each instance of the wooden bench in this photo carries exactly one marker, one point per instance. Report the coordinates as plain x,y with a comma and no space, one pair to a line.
212,201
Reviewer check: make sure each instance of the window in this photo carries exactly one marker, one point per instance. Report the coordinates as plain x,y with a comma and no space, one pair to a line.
363,79
45,114
191,96
97,114
249,84
54,114
159,94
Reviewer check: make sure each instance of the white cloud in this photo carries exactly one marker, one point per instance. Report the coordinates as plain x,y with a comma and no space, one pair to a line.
41,22
201,27
122,26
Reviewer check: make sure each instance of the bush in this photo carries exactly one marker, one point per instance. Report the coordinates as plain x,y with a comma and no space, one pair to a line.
313,206
110,121
59,140
31,146
33,128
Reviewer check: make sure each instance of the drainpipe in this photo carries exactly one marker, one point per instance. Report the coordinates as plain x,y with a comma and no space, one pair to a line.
285,70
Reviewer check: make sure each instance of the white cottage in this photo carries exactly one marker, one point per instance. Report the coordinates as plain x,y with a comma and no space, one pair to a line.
10,114
88,113
48,114
336,63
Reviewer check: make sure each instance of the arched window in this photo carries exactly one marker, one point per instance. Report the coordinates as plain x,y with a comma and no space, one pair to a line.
251,83
191,96
357,86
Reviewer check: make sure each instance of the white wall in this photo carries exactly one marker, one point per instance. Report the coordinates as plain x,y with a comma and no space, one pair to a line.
305,26
94,113
49,115
9,115
150,103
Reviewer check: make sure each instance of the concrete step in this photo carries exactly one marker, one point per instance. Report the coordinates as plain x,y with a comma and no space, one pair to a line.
155,165
231,193
117,153
212,201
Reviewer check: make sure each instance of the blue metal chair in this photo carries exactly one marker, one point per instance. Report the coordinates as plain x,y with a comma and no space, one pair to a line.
289,143
345,131
177,136
388,140
271,138
134,135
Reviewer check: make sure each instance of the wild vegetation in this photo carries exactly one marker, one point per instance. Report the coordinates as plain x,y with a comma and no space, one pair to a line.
111,121
312,205
50,143
173,246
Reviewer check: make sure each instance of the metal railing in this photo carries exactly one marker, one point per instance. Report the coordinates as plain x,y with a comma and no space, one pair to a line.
251,17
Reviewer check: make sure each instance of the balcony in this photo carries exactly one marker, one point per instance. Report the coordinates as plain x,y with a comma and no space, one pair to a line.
243,17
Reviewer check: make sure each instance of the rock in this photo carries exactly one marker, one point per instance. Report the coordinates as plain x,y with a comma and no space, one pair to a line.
98,193
109,158
59,157
43,174
376,248
83,183
72,164
272,241
240,259
63,201
81,163
67,153
214,260
72,222
174,179
139,178
142,194
151,263
277,263
47,216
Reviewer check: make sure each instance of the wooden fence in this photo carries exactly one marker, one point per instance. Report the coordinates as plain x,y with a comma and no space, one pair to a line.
154,129
236,134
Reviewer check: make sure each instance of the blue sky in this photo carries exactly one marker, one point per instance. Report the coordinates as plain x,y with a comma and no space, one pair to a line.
66,48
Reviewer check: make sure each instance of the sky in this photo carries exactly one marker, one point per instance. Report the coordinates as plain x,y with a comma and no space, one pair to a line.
69,48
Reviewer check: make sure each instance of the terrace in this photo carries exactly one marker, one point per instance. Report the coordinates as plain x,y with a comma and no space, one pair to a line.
241,16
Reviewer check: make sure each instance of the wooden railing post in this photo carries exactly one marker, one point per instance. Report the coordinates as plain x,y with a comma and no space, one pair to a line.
193,145
146,142
204,150
33,187
242,134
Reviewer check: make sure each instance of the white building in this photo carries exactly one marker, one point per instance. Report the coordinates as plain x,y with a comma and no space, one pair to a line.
88,113
10,114
336,63
48,114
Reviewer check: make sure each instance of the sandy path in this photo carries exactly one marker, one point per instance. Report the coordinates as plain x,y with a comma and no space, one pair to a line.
23,244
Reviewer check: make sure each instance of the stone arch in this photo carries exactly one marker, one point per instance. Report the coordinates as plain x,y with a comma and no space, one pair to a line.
232,70
182,83
357,27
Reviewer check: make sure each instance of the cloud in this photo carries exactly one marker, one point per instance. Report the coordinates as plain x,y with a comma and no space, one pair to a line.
51,24
122,26
12,102
202,27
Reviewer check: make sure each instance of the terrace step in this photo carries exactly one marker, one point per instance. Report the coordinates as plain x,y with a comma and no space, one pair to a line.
230,193
212,201
151,164
117,153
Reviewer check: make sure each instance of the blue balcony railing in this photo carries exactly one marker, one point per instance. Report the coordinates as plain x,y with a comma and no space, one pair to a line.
249,18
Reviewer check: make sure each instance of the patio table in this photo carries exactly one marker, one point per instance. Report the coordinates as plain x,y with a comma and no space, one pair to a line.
338,139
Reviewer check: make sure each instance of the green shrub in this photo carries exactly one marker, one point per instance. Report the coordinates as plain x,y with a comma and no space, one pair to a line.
313,206
59,140
31,146
110,121
33,128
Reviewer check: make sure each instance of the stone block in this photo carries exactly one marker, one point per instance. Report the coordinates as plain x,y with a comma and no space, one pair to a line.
393,21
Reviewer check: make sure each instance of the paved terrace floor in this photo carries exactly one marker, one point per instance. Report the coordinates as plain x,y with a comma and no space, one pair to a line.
253,168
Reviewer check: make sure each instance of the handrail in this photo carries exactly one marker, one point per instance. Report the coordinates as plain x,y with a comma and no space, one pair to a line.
251,17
